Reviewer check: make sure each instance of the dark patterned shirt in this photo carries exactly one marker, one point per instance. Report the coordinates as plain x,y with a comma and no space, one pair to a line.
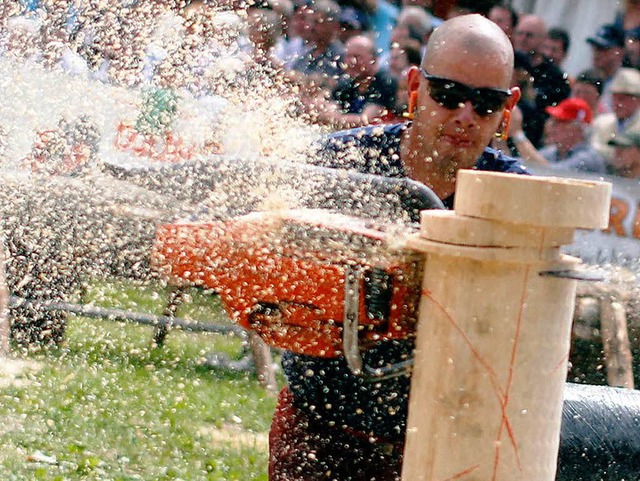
325,388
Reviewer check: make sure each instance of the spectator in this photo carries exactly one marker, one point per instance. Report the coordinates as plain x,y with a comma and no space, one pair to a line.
626,159
413,22
402,56
566,138
365,94
107,38
55,45
8,10
588,87
551,84
629,22
21,39
533,119
381,17
505,17
321,59
466,7
293,44
607,46
264,28
427,5
30,5
414,25
556,46
625,89
70,149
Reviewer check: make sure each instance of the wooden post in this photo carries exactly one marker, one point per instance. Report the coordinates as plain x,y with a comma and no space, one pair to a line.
494,327
615,339
605,308
263,361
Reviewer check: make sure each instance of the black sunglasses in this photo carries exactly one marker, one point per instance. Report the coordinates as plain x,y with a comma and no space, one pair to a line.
452,95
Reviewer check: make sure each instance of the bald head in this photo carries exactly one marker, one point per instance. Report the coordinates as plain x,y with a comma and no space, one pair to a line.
360,57
475,41
529,34
534,23
361,42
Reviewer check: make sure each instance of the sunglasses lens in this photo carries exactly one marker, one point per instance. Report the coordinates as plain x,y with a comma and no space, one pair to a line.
451,95
488,102
447,94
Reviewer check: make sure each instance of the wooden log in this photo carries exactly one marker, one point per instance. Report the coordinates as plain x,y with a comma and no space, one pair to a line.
494,327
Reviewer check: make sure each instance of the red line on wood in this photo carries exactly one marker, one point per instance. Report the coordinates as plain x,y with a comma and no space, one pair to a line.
463,473
512,361
502,394
562,363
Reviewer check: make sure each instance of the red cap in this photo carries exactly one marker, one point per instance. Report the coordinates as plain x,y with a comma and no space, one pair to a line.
572,109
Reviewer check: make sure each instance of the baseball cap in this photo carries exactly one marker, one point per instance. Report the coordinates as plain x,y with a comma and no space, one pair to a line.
626,81
572,108
608,36
627,138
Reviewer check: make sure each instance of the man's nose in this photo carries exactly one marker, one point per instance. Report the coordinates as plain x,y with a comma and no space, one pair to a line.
465,115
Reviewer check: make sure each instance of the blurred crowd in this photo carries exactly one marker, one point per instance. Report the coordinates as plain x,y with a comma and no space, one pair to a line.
344,63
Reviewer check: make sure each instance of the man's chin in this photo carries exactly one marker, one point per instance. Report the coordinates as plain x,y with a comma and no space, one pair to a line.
458,157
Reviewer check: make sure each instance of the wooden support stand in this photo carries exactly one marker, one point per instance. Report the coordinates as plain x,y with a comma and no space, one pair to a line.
494,327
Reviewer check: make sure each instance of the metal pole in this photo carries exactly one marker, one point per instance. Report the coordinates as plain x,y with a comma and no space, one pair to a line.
122,315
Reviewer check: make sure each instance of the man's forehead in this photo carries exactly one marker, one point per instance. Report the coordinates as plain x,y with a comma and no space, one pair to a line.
479,64
531,24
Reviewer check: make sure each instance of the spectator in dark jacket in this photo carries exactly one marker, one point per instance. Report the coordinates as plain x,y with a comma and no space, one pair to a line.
551,84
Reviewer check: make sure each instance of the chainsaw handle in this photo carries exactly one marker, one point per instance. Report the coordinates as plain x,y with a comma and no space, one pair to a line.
362,194
245,182
414,196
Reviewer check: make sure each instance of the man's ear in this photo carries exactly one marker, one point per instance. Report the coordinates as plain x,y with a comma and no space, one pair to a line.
413,82
413,79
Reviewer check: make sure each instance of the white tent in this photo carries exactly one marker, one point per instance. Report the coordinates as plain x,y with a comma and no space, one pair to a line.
581,18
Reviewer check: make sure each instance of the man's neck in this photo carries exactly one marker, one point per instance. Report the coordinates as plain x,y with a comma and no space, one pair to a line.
439,176
608,71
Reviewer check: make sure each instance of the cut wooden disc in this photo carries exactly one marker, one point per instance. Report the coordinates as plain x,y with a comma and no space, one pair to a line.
448,227
533,200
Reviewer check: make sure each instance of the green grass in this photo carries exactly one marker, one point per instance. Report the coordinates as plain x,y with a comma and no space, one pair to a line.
109,406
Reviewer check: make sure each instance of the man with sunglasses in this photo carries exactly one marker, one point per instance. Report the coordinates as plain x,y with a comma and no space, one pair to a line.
332,424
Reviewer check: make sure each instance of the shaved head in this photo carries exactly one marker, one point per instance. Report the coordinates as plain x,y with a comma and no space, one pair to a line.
475,37
468,53
529,34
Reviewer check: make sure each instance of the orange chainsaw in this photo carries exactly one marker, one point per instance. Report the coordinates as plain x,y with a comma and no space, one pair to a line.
311,281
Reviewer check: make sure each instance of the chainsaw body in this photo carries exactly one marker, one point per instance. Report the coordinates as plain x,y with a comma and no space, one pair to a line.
308,281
